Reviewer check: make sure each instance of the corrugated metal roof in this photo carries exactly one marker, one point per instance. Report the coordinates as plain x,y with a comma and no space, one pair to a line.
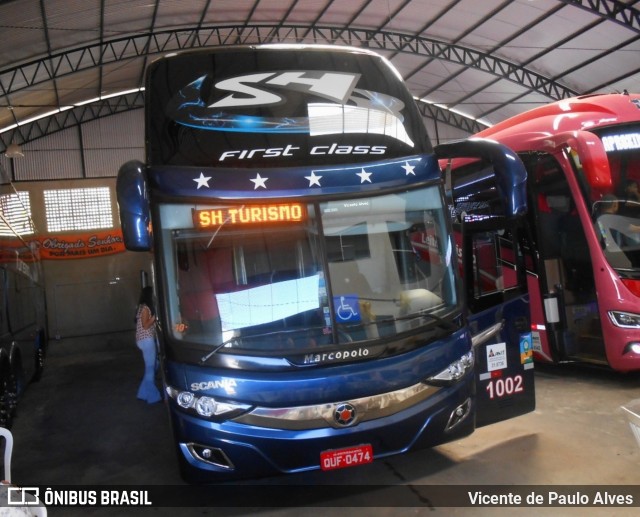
475,62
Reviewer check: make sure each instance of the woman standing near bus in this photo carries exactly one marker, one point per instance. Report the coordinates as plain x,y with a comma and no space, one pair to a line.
146,342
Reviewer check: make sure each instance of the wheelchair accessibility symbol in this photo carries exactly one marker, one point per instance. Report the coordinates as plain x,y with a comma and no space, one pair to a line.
347,308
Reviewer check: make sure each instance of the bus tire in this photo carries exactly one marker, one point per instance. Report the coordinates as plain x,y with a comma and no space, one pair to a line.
40,357
8,395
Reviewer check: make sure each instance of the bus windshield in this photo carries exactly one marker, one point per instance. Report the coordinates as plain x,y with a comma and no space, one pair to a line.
316,275
617,214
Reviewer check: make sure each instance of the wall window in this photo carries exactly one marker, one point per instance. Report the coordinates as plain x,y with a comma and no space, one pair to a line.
78,209
15,214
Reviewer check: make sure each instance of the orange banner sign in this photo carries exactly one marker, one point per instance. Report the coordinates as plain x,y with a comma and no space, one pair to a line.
94,244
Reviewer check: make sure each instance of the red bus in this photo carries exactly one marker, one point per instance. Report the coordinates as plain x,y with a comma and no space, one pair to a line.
583,166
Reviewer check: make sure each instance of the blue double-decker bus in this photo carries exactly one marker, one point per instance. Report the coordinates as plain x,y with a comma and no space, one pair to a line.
311,314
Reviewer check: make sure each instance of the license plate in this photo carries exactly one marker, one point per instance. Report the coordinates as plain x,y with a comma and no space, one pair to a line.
347,457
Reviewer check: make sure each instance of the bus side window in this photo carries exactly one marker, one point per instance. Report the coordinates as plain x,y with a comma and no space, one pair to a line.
506,260
487,269
550,220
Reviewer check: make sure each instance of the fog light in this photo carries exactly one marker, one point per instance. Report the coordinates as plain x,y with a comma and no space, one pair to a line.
459,414
210,455
633,347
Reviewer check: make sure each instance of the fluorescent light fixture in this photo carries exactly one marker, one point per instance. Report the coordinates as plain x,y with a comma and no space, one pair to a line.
65,108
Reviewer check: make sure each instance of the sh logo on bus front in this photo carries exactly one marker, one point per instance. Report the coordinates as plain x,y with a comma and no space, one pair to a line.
266,89
336,87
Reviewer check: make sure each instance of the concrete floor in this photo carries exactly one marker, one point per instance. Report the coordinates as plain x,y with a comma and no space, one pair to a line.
82,425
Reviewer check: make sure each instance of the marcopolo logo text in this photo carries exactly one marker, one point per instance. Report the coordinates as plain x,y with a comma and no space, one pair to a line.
340,355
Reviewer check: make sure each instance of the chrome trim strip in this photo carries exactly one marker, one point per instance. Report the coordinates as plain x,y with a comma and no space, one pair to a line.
320,416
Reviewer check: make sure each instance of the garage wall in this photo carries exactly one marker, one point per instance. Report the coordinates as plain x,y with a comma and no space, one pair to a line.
88,295
101,299
85,296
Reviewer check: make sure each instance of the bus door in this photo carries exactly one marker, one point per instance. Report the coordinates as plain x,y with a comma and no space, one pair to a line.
498,312
488,202
565,312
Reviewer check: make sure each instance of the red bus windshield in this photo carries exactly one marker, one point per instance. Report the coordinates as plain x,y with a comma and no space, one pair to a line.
617,213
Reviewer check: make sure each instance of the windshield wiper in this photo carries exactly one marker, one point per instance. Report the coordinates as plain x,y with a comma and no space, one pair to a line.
209,355
443,323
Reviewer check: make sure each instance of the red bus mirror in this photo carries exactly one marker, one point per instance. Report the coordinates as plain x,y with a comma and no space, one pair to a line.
588,155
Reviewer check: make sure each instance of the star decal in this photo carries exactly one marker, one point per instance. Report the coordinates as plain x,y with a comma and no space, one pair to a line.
364,176
313,179
202,181
345,415
259,181
409,168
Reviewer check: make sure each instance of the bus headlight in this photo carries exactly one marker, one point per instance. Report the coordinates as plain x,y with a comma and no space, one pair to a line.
625,320
454,372
185,399
205,406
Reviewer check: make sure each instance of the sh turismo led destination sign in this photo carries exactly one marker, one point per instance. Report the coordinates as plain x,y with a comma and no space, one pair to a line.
249,214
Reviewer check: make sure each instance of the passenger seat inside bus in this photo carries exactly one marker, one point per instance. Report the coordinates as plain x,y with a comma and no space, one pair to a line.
209,273
346,278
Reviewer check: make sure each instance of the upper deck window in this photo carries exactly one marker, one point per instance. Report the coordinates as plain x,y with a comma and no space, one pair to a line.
242,108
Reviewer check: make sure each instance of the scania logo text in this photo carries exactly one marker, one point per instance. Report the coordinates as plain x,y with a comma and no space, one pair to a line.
226,384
